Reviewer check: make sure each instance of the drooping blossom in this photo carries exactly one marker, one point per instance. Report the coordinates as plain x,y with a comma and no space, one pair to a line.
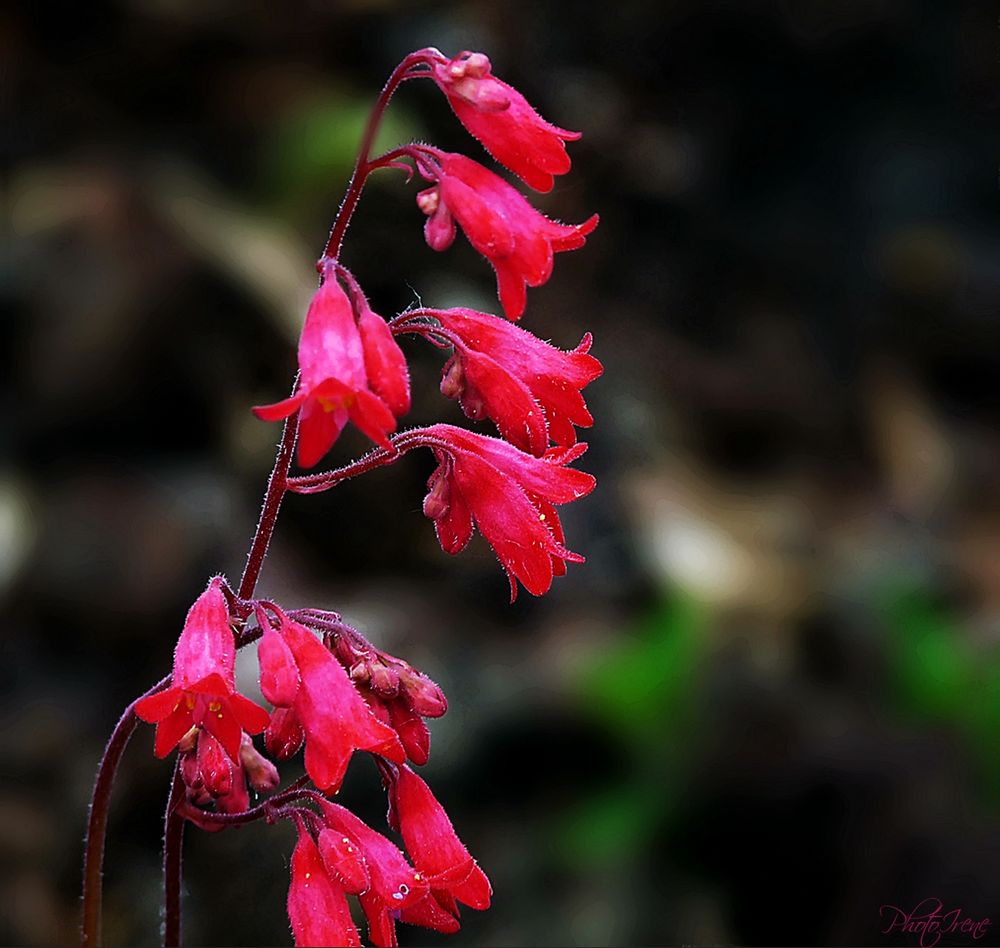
202,691
509,495
398,891
529,388
347,372
433,845
501,119
518,241
334,718
385,363
394,885
317,904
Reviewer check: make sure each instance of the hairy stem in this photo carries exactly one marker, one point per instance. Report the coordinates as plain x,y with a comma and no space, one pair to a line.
173,847
277,484
317,483
97,820
363,166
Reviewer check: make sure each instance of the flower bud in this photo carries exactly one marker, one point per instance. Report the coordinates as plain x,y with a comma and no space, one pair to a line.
283,736
238,799
279,675
343,861
214,765
383,680
261,773
424,696
412,731
191,775
438,499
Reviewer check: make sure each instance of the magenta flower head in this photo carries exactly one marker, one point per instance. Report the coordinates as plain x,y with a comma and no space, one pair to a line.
517,240
500,118
346,373
529,388
334,718
202,691
509,495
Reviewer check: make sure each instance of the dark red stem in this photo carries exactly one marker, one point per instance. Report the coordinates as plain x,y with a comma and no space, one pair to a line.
97,820
277,484
173,848
317,483
363,166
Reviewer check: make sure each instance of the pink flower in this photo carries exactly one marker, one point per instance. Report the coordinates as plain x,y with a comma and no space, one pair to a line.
331,713
202,691
501,119
348,371
509,495
529,388
317,905
433,845
517,240
394,885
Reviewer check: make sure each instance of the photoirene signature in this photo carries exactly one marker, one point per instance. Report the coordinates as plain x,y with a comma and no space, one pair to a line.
930,921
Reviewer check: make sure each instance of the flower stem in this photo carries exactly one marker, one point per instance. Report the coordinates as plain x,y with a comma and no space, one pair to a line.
277,484
97,820
363,166
173,848
317,483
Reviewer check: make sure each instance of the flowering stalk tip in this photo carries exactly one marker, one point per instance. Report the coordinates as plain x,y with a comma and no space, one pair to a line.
332,693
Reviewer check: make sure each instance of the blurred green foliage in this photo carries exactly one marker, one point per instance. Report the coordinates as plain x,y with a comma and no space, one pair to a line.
941,677
643,691
313,147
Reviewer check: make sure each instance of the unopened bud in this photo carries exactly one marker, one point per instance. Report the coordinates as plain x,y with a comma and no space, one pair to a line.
283,736
261,773
190,773
425,697
344,651
383,680
214,765
343,861
279,675
438,499
412,731
238,799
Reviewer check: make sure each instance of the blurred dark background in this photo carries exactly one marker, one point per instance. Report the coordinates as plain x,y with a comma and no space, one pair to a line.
769,703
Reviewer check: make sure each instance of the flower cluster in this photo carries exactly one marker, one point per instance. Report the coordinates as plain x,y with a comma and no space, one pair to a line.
332,693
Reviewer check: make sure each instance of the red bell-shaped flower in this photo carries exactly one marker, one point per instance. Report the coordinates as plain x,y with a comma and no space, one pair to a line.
517,240
343,372
334,718
501,119
202,691
529,388
433,844
510,497
317,905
